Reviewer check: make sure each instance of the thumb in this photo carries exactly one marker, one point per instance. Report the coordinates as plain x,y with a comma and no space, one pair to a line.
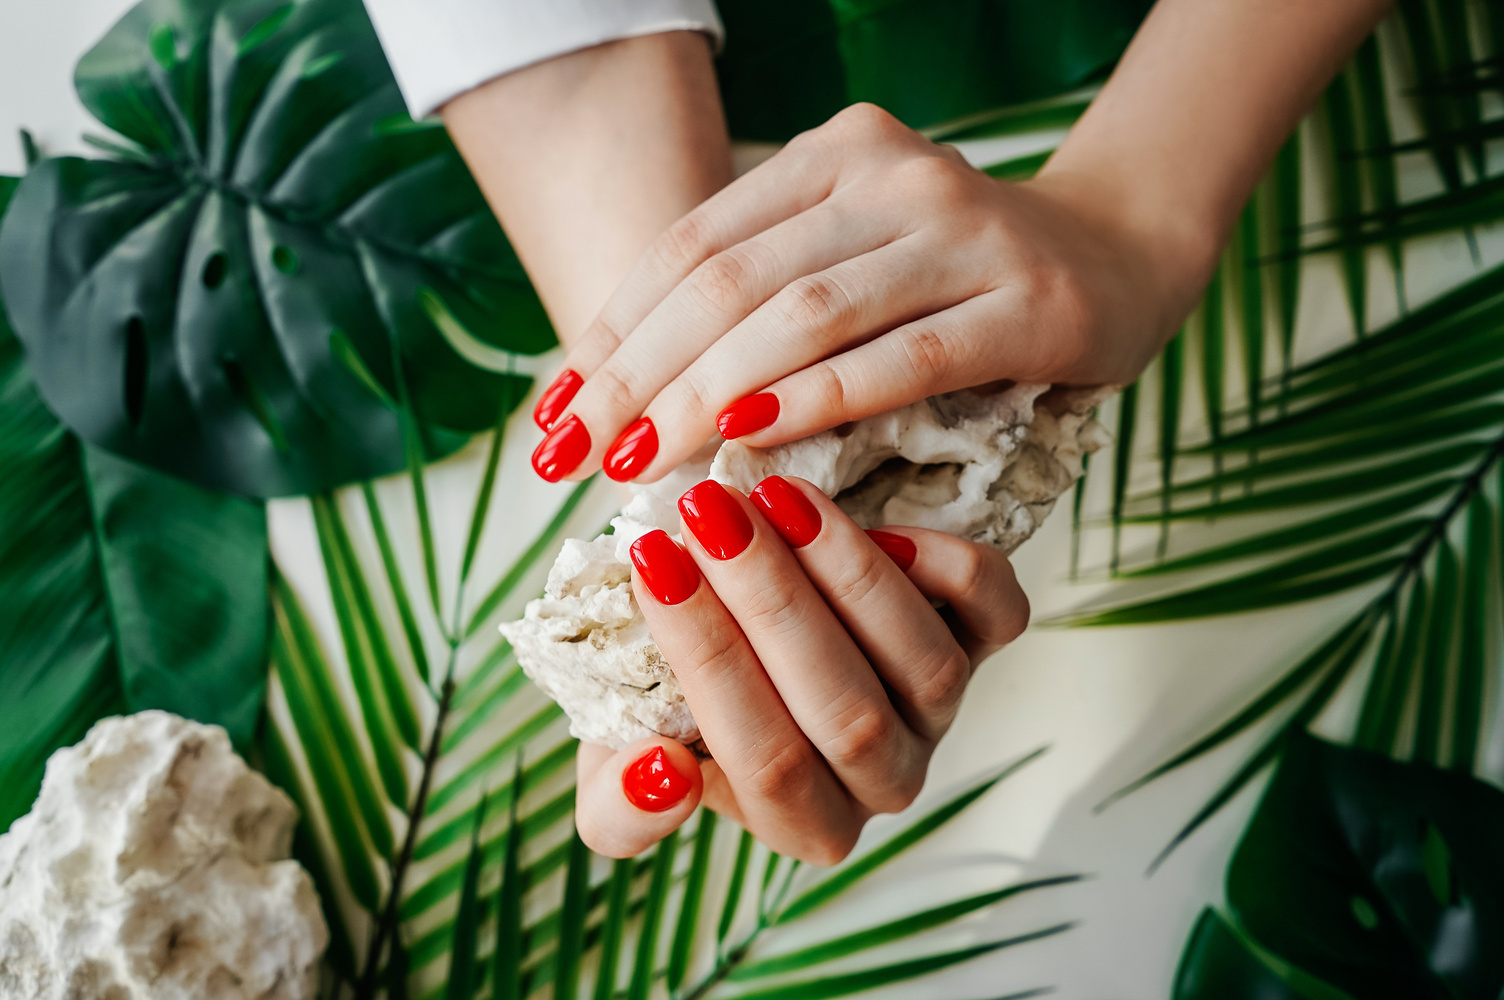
627,800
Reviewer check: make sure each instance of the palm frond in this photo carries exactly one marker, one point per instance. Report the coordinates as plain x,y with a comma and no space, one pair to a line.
1390,476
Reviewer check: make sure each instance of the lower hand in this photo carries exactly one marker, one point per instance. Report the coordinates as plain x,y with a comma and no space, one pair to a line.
820,674
860,269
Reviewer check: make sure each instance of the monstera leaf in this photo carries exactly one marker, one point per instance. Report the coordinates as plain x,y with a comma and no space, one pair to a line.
235,296
122,589
1364,877
1219,963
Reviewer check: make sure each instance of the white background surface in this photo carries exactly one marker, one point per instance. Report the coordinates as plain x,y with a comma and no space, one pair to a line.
1110,703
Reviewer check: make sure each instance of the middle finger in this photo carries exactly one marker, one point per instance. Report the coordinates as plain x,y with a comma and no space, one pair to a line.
825,680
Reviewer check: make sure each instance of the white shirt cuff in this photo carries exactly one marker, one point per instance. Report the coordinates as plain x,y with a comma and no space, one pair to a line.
439,49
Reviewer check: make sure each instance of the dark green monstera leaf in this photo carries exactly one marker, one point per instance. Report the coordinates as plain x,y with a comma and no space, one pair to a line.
1219,964
235,297
1367,878
120,589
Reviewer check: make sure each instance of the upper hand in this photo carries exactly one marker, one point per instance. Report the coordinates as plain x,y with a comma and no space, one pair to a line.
861,268
818,671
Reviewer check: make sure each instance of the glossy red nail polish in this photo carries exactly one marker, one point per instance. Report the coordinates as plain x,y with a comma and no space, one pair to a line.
557,396
747,415
716,519
651,783
900,549
668,572
788,510
562,449
631,452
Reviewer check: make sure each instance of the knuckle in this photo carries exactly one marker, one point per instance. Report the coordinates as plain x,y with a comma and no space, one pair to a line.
867,120
1014,620
830,847
829,392
716,648
863,741
939,685
772,611
781,775
970,566
722,281
684,244
936,179
615,387
693,395
926,354
813,303
857,578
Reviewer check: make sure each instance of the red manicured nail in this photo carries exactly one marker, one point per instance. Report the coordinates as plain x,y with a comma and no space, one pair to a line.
630,453
557,396
716,519
562,449
900,549
788,510
747,415
666,570
652,784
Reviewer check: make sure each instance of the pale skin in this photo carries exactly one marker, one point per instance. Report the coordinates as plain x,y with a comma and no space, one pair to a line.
859,269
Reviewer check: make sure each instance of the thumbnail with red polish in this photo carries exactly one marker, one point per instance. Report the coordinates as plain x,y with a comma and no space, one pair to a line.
631,452
788,510
747,415
668,572
562,449
556,397
900,549
651,783
715,519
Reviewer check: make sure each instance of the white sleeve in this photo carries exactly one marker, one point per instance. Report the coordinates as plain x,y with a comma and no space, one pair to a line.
441,48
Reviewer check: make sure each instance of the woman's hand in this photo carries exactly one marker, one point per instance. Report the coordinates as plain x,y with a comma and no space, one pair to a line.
864,267
860,269
819,672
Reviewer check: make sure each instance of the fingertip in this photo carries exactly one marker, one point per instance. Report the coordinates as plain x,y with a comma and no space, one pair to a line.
636,796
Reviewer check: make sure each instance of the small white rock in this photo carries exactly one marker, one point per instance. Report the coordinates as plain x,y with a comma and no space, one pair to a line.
983,464
153,867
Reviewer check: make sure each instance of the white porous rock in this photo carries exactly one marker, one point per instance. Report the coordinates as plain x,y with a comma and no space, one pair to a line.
586,645
153,867
984,464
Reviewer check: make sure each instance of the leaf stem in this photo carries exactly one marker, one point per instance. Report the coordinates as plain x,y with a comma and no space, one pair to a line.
387,924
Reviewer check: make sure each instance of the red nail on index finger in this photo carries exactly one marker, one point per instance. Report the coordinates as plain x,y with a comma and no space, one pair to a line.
666,570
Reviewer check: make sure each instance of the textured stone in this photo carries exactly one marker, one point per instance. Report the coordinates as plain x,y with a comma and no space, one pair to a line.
983,464
153,867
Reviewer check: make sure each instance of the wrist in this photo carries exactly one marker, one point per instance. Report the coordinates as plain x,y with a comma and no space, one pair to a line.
1162,252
